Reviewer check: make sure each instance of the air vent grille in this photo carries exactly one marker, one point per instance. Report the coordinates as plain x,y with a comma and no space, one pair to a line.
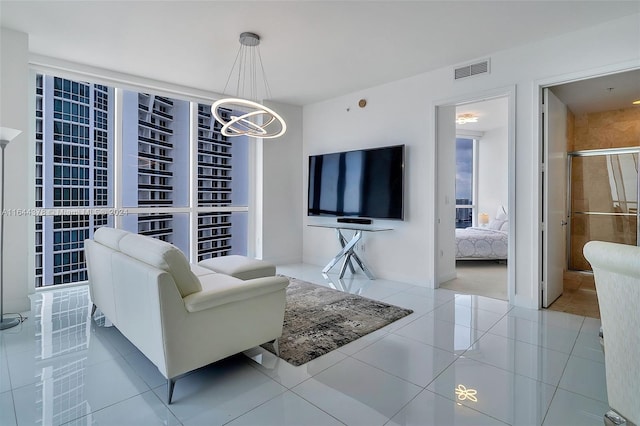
471,70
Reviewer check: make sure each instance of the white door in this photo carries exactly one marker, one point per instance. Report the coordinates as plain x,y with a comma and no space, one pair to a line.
446,193
555,187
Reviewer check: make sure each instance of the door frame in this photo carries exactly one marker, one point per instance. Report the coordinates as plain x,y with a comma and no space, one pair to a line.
508,92
540,194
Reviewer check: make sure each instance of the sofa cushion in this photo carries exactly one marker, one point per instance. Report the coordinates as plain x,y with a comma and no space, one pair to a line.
110,237
199,271
221,289
241,267
163,256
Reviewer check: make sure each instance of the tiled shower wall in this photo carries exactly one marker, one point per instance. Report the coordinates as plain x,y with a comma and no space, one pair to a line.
601,130
619,128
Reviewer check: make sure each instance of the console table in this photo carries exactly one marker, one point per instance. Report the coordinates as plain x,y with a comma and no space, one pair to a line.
349,246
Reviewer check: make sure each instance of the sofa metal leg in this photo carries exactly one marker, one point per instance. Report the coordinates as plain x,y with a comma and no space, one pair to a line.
276,348
93,309
170,384
612,418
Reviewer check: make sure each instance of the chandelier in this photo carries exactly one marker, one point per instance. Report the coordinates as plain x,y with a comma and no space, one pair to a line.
466,118
247,117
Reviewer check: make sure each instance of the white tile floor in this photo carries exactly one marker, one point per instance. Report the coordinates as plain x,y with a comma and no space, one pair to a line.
526,368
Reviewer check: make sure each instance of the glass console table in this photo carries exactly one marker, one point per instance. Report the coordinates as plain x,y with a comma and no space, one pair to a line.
349,246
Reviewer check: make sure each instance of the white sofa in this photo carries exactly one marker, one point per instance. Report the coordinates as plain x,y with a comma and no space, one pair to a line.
178,315
616,268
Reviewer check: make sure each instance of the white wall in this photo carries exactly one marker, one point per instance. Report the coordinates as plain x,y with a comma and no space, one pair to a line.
388,119
493,171
14,101
403,112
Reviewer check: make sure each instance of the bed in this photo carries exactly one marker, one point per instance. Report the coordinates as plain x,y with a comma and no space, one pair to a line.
489,242
481,243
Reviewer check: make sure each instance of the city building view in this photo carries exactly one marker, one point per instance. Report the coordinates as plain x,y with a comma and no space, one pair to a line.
465,176
75,168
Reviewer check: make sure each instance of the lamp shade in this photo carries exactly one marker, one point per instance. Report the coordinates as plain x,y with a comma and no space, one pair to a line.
8,134
483,218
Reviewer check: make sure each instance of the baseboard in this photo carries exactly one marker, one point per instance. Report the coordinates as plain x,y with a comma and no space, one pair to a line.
446,277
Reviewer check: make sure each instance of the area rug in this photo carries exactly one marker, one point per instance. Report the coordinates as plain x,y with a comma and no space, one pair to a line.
318,320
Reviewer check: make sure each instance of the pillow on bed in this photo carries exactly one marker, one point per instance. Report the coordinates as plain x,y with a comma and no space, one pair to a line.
501,214
496,224
505,226
501,219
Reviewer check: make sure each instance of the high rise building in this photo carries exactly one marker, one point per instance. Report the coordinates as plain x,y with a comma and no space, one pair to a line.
214,186
73,145
75,169
155,170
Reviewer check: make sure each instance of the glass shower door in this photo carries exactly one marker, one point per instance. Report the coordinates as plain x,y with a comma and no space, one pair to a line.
603,200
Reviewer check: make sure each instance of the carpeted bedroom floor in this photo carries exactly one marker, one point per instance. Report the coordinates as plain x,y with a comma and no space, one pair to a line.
483,277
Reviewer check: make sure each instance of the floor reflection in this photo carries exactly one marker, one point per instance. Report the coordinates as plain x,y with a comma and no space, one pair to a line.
62,328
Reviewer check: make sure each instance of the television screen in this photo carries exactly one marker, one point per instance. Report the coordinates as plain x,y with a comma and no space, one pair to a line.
365,183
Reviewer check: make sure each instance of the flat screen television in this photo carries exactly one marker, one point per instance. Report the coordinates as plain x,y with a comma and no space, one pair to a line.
366,183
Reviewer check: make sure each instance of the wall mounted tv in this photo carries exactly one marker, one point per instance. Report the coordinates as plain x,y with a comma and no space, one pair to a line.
366,183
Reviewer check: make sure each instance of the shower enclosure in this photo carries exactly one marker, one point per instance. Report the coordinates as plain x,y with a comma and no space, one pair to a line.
602,199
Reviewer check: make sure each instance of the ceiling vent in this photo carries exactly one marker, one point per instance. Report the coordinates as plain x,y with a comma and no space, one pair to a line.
470,70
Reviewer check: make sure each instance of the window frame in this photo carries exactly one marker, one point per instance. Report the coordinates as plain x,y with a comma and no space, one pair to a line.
121,82
474,176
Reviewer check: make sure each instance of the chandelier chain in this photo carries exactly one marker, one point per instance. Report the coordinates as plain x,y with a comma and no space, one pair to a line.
244,115
246,67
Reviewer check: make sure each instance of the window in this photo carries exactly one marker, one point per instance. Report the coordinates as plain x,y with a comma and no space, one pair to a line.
466,182
222,181
76,189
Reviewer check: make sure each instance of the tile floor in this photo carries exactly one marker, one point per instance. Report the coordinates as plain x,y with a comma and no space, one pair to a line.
579,295
457,360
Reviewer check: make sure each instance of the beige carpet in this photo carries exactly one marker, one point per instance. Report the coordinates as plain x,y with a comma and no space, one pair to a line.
482,277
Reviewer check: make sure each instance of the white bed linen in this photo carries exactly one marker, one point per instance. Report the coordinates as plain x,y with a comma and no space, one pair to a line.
481,243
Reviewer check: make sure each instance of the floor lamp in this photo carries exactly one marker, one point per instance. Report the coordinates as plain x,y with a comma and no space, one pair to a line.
6,136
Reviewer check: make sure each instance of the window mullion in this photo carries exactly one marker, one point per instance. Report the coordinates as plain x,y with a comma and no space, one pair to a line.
117,154
193,180
474,178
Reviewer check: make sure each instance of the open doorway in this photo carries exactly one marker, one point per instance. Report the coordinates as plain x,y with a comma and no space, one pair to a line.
598,148
481,194
474,148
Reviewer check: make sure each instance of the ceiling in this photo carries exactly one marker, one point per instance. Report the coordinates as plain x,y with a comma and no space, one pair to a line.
312,50
492,114
606,93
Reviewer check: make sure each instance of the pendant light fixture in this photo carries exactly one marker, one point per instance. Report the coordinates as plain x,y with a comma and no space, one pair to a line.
243,115
466,118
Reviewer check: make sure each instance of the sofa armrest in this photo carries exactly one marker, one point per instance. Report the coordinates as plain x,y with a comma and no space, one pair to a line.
219,289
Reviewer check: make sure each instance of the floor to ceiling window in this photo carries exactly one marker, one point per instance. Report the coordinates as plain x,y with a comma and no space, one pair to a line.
178,179
466,202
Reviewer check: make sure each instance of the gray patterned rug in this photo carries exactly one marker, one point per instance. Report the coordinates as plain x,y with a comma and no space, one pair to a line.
319,319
